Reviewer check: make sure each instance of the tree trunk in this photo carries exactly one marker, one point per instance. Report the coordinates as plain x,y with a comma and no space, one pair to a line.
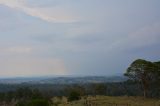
144,93
145,90
145,86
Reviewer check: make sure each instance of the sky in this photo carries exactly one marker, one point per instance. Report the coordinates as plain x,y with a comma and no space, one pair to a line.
76,37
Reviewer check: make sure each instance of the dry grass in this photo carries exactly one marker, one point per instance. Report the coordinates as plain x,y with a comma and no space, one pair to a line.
108,101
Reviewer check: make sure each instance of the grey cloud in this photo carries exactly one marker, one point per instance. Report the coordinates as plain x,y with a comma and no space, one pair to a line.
107,38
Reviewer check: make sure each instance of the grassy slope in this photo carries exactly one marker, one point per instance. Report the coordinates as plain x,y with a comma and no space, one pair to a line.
110,101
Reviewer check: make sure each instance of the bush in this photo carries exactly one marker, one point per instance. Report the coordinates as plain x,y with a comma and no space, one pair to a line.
34,102
22,103
38,102
74,95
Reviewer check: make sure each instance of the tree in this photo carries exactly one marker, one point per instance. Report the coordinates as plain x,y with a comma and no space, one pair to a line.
33,102
22,103
75,92
158,72
36,94
38,102
143,72
74,95
100,89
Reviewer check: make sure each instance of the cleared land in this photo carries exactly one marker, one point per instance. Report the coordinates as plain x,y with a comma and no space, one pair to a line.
107,101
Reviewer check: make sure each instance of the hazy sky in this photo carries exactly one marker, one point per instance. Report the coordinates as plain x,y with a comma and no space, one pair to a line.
76,37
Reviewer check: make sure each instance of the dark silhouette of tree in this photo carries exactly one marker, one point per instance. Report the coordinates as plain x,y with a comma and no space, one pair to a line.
33,102
74,95
100,89
38,102
143,72
36,94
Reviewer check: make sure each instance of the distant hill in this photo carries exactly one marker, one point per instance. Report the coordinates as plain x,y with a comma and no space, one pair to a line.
19,80
63,80
87,79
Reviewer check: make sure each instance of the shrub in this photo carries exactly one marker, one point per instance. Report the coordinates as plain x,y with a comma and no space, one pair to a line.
74,95
38,102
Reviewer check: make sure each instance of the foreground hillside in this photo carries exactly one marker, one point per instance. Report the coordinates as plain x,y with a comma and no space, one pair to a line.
107,101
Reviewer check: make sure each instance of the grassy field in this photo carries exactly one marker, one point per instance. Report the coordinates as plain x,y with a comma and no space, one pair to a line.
107,101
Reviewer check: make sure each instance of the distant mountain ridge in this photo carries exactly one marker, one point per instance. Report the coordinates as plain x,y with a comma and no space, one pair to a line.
63,80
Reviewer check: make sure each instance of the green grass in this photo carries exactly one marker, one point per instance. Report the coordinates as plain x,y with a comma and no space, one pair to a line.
108,101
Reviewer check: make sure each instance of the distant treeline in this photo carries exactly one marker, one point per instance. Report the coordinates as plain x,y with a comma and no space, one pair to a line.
50,90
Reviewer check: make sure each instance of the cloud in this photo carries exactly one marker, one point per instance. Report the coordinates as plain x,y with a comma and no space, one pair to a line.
29,61
146,36
16,50
27,66
143,37
54,14
19,50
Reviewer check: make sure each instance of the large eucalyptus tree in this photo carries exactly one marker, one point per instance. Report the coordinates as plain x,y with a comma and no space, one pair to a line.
144,72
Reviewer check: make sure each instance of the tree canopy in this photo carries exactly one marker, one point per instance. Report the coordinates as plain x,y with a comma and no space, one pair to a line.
143,72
